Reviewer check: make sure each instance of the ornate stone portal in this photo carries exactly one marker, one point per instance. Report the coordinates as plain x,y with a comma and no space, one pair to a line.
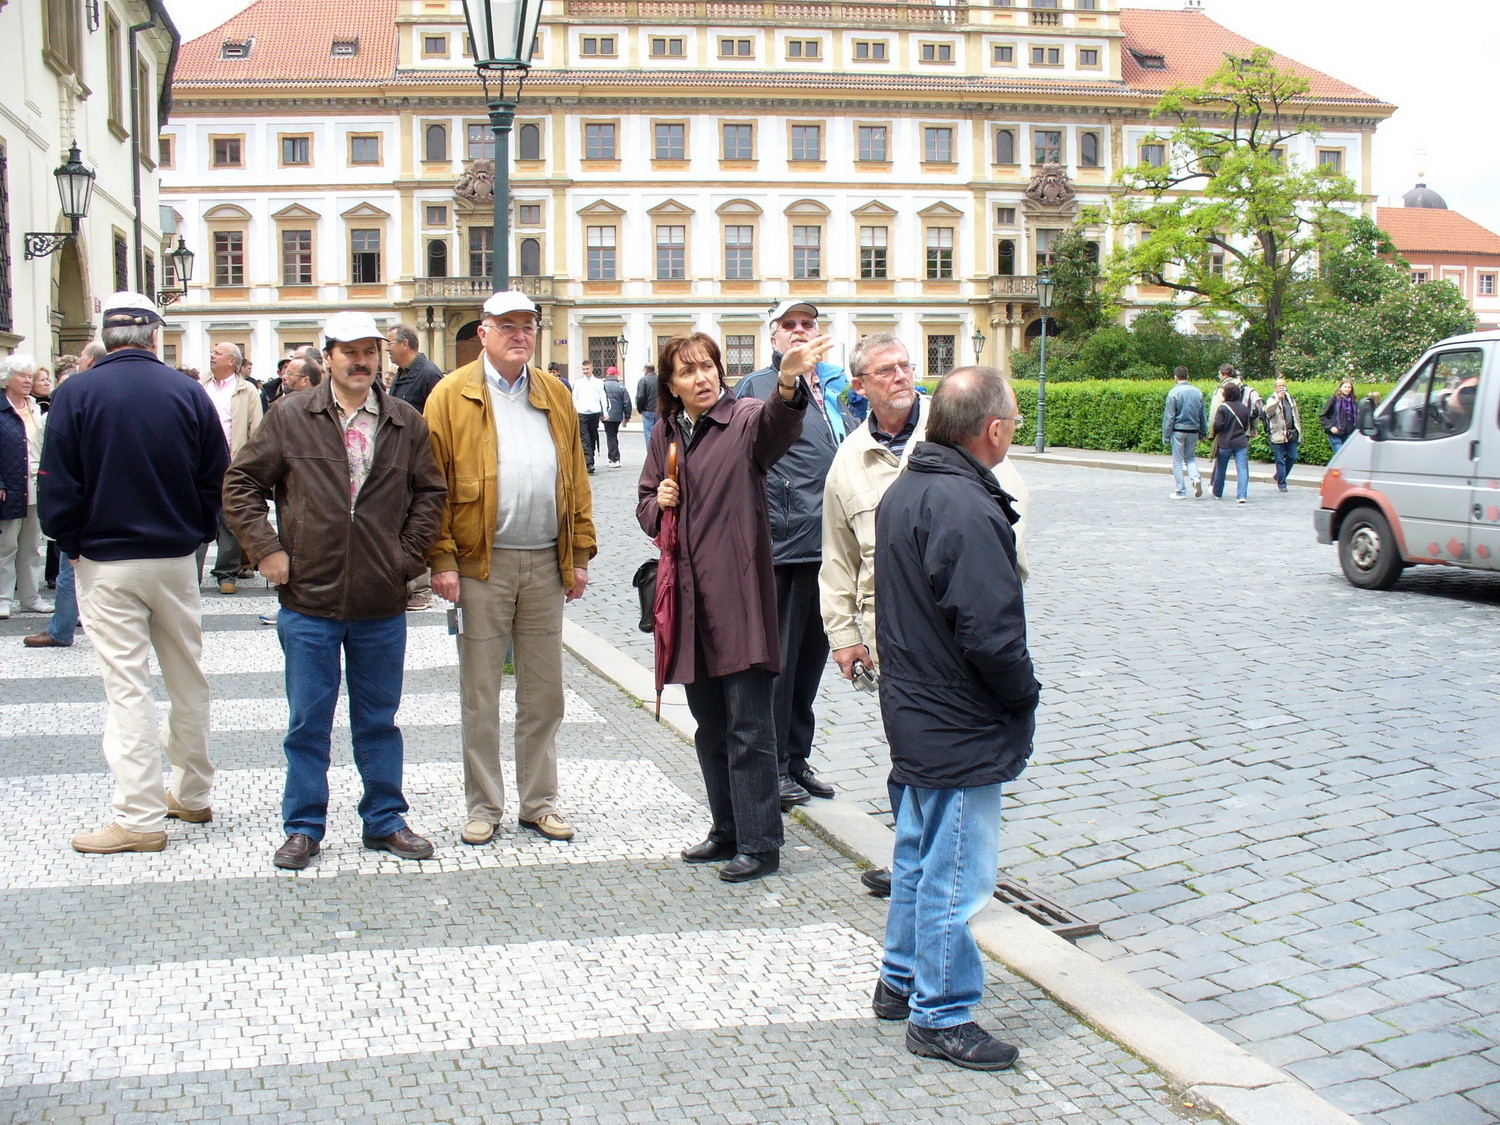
1050,186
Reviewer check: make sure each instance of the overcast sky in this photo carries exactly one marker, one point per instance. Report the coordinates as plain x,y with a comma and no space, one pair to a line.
1428,59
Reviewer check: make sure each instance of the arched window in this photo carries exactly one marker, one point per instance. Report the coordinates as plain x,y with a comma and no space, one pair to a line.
1006,263
531,257
437,258
435,143
529,144
1005,146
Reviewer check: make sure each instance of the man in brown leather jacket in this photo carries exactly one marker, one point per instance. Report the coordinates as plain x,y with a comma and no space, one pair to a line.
359,500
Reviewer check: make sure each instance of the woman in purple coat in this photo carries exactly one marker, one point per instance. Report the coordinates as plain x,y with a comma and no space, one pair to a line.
726,652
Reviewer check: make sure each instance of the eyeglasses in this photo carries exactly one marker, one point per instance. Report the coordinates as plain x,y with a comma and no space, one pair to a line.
890,369
1018,418
807,325
514,329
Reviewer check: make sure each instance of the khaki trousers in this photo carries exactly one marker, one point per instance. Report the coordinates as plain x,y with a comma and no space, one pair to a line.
521,601
133,608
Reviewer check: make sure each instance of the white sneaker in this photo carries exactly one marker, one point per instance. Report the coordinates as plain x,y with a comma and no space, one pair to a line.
1177,496
37,606
1242,501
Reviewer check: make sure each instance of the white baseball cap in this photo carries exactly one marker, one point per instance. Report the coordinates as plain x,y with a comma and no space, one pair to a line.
510,301
127,307
788,305
348,326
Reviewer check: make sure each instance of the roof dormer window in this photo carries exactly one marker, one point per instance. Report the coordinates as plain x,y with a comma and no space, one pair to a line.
345,48
236,49
1147,61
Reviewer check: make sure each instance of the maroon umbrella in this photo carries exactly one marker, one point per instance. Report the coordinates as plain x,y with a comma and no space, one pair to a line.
664,606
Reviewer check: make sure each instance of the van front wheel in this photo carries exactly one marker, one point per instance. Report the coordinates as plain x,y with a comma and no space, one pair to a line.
1367,550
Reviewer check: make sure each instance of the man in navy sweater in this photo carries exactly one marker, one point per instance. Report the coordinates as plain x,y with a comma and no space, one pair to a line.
129,487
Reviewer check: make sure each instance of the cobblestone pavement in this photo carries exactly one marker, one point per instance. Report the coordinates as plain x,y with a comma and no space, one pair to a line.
527,981
1277,793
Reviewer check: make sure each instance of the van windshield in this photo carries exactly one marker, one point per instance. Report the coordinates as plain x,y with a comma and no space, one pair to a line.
1440,400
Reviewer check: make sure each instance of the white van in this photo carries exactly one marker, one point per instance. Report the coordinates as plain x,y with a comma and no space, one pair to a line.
1420,482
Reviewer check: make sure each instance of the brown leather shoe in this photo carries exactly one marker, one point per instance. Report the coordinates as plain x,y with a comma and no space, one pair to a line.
176,811
403,844
42,640
297,852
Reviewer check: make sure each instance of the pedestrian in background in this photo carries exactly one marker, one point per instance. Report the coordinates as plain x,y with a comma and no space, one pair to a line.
1248,395
129,488
1284,429
1231,434
588,401
645,401
359,499
726,652
958,698
415,375
1183,425
1340,415
238,404
616,414
21,434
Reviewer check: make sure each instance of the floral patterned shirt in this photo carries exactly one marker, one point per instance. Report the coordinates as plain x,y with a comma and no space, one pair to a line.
359,443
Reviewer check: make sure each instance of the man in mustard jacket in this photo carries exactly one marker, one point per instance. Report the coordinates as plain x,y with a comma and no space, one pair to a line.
515,545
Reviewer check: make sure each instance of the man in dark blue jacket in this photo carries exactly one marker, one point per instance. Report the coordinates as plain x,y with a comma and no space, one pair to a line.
129,488
794,495
958,698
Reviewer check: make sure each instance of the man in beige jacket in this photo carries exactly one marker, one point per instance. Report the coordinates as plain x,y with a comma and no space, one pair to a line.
239,408
867,462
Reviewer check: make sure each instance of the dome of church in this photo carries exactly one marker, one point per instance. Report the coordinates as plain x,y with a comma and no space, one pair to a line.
1424,196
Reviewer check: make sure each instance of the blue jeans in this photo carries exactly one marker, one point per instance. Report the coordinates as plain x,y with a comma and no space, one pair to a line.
1335,442
648,421
375,652
947,857
1184,461
1241,472
1285,453
65,605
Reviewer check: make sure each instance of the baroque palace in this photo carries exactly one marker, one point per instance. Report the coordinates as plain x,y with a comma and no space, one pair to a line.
678,164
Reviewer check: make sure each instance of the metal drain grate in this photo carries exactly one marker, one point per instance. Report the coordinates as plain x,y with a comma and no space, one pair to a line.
1042,910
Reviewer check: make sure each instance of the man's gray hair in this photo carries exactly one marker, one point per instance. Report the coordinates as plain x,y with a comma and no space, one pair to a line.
129,336
16,364
964,401
407,335
93,351
868,345
239,356
308,368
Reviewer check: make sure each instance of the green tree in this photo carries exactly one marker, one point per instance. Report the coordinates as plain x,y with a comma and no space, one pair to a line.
1077,305
1226,220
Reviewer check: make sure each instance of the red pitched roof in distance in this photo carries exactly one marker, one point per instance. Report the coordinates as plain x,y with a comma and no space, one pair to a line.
293,41
1193,47
1427,230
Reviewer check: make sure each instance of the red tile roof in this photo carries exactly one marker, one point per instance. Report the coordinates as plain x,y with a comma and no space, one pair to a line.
1193,47
293,41
1418,230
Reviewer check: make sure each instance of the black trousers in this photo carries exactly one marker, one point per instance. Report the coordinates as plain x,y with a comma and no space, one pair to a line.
230,558
588,431
612,440
804,652
737,754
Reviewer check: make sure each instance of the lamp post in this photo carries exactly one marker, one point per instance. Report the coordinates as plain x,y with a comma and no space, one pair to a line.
620,345
75,187
503,35
182,268
1044,304
978,341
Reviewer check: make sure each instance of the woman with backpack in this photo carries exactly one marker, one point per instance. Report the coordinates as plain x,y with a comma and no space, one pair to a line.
1231,435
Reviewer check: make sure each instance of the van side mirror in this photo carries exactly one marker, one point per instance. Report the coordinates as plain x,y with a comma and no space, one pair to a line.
1371,426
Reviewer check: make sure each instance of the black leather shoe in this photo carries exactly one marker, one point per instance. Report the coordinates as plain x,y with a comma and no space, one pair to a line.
746,866
809,781
296,853
967,1045
403,844
710,851
793,794
878,880
888,1003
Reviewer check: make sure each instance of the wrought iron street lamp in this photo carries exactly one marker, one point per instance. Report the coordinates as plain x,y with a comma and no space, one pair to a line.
75,187
978,341
503,36
620,345
182,269
1044,286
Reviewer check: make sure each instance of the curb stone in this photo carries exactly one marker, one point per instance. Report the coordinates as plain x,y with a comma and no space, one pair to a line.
1209,1070
1303,476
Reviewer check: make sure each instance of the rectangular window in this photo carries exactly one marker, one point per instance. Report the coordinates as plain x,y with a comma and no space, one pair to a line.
665,47
603,45
479,142
1046,56
435,215
229,257
1439,401
144,103
113,53
736,48
7,315
1005,216
228,152
364,149
1086,5
939,253
739,142
529,214
1088,150
739,253
1419,276
344,48
434,46
1331,160
296,150
122,263
296,257
601,253
871,50
874,142
149,264
1045,240
364,247
807,142
671,253
481,251
1088,58
165,153
1486,284
670,141
807,253
739,355
937,145
873,259
1003,54
937,52
941,354
599,141
1154,154
1046,146
804,49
